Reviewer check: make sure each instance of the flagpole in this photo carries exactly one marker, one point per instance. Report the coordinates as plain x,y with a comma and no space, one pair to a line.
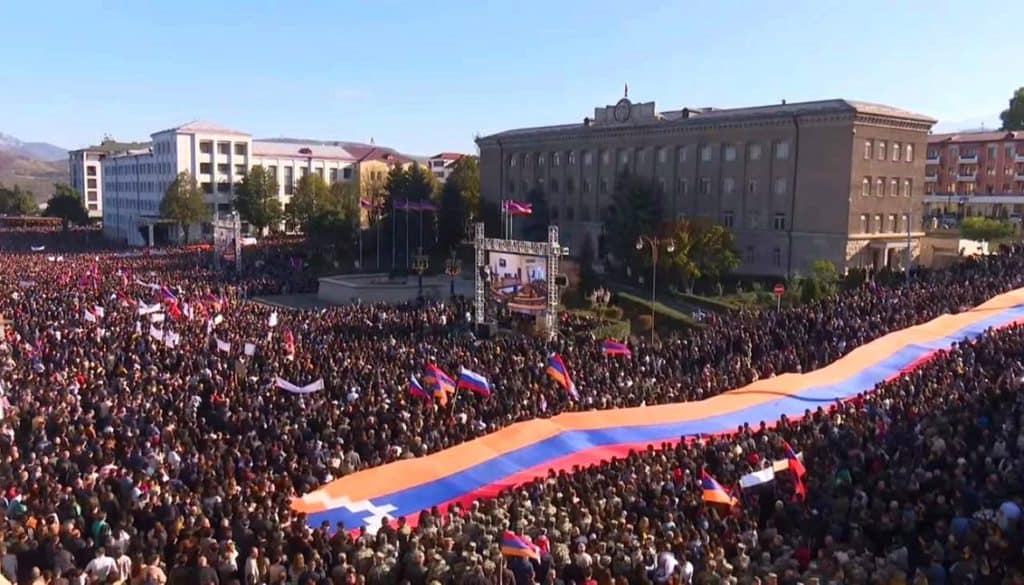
406,235
394,249
376,215
421,224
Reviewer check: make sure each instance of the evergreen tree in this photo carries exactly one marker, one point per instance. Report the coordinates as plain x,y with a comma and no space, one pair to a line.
257,201
66,203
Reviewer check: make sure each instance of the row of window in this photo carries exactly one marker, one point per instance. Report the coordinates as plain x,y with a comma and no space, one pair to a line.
144,168
162,148
966,188
883,224
206,147
222,169
877,187
134,186
729,153
780,186
992,151
881,150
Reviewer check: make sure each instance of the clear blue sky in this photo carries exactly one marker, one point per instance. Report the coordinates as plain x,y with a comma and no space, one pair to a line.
426,76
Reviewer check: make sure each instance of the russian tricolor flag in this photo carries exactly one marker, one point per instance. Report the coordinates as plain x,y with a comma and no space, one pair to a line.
559,373
474,382
168,295
513,545
612,347
416,389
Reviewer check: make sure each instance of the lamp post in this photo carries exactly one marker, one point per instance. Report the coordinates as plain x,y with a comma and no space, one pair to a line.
453,267
419,264
654,244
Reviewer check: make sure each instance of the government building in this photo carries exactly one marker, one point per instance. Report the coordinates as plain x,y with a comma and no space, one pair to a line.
130,182
837,180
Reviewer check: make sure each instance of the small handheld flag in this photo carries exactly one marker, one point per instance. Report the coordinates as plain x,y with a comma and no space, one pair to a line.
612,347
416,389
441,383
474,382
513,545
798,469
713,492
558,372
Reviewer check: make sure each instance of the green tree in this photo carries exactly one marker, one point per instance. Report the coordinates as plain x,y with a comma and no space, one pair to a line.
66,203
335,221
822,282
535,225
420,188
184,203
310,195
460,201
256,199
985,229
1013,116
634,210
17,201
703,250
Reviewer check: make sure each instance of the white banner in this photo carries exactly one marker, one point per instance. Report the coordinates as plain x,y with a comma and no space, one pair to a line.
26,283
157,318
155,333
766,475
272,322
223,346
145,309
171,339
89,316
99,311
38,248
250,349
147,284
307,389
218,319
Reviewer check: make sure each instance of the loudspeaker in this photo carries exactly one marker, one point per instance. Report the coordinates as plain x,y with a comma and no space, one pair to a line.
486,330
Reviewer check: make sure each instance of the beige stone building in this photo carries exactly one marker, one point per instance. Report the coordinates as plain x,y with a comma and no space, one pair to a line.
833,179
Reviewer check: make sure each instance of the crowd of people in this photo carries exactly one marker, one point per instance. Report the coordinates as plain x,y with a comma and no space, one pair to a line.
126,458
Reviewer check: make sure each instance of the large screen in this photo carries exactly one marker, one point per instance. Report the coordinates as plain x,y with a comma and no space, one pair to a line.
518,282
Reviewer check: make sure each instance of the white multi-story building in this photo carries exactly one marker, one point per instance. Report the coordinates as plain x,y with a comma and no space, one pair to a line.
85,170
440,165
134,181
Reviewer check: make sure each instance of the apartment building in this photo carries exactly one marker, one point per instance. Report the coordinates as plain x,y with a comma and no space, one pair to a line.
835,179
86,171
134,180
440,164
968,163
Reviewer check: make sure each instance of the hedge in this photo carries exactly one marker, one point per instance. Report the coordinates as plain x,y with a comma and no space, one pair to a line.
709,303
679,319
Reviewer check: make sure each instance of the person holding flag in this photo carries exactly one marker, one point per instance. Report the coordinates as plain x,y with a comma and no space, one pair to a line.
440,382
559,373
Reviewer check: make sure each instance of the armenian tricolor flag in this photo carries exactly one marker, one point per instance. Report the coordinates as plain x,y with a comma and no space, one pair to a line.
513,545
612,347
518,208
416,389
474,382
559,373
714,493
439,382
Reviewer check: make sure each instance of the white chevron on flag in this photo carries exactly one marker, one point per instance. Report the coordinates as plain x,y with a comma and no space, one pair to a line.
375,513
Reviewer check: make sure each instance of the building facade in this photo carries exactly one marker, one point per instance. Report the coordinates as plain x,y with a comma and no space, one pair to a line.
975,163
835,179
440,164
85,170
135,180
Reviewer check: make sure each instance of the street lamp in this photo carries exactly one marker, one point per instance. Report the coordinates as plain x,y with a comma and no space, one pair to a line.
654,244
453,267
419,264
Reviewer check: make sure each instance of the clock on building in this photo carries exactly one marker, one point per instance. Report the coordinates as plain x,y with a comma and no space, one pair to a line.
622,110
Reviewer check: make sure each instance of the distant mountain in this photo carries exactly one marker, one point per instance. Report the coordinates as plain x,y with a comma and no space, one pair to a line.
33,150
35,166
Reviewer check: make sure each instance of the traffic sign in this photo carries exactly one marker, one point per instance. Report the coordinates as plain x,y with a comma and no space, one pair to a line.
779,290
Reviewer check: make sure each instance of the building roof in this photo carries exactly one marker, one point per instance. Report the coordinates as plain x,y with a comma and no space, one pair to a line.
111,146
980,136
716,115
448,156
296,149
200,127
